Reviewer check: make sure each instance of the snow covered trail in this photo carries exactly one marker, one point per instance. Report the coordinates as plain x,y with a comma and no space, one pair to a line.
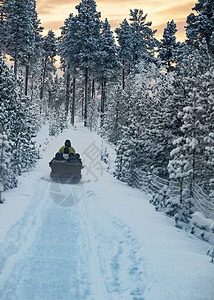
81,252
96,240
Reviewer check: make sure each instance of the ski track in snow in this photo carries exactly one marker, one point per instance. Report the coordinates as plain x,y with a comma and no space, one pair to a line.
81,252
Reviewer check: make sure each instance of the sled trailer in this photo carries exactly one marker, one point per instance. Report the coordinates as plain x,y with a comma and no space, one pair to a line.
66,172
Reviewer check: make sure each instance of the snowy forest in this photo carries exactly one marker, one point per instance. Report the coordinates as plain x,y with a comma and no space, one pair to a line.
153,99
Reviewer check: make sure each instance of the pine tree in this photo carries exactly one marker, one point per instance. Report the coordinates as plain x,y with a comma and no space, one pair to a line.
2,24
115,116
19,31
7,176
8,98
207,91
35,53
195,139
107,64
143,40
167,46
79,49
135,146
125,52
69,50
49,48
3,144
4,4
56,107
182,51
18,123
90,24
136,41
23,130
162,126
201,25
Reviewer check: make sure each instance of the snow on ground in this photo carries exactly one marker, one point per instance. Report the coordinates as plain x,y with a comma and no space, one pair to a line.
96,240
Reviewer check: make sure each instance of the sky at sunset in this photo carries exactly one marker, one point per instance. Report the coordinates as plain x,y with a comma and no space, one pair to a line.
52,13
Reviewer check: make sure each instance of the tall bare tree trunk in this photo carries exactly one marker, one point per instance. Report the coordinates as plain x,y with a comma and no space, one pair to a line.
92,96
27,68
103,98
86,97
16,54
93,89
43,80
73,99
123,79
67,96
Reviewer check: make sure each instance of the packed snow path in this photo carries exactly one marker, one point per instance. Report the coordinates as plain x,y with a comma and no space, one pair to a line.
96,240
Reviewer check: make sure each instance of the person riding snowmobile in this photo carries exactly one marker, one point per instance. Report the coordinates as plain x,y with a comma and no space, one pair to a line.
58,156
67,145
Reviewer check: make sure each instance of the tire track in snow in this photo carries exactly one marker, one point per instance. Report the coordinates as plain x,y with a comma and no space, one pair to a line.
22,234
52,268
119,268
98,287
76,253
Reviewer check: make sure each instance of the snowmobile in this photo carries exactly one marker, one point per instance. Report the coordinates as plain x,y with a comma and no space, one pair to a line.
66,170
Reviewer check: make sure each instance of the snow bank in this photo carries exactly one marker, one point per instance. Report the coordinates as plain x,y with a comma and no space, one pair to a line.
202,222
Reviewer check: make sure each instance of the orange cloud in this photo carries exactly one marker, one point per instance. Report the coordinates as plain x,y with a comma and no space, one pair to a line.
53,25
45,6
53,12
176,10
